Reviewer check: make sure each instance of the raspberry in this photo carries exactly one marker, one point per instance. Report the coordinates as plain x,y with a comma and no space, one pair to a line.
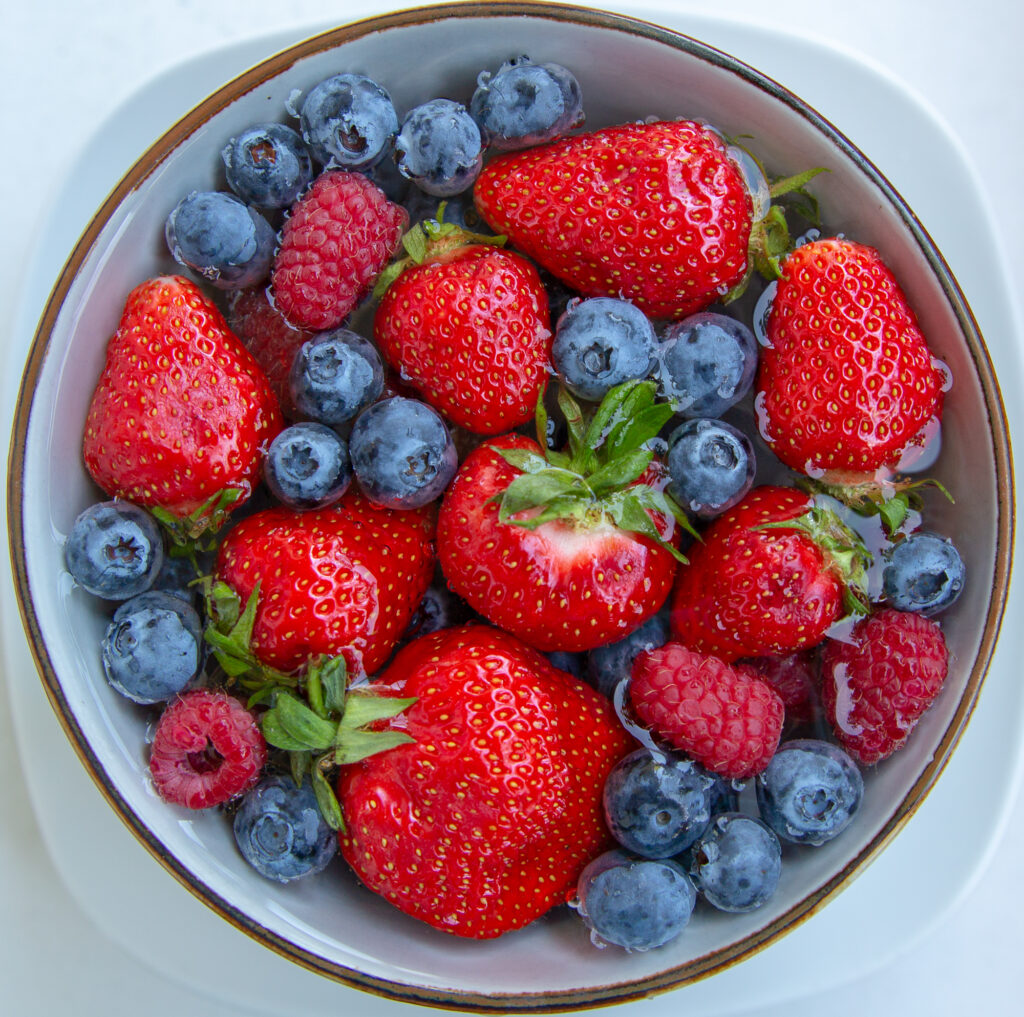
206,750
876,686
727,720
336,240
794,677
269,337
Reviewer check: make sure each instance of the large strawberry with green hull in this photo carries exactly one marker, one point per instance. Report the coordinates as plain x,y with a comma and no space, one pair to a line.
846,382
769,577
572,550
655,213
340,580
484,819
182,413
466,324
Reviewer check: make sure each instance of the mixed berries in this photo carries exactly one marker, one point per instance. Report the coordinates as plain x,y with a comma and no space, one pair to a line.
496,555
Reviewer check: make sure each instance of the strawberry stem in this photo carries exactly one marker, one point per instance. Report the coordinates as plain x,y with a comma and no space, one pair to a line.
600,477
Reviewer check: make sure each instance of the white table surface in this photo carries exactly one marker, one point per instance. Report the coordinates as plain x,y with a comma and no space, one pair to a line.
65,65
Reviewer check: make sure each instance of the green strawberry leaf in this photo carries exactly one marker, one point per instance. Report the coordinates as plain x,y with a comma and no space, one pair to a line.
620,472
363,744
524,460
365,707
581,454
637,431
415,244
531,490
795,183
326,799
299,763
304,727
629,513
620,405
276,734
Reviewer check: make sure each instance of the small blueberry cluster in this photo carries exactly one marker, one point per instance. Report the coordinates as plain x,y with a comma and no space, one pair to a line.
683,838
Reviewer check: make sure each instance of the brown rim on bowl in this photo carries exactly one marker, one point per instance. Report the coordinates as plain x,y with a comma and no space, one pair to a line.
561,1000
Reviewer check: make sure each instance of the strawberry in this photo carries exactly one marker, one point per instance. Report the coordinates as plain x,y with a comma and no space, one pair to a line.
879,682
770,577
722,716
483,821
655,213
336,240
267,334
467,325
182,413
847,381
562,549
340,580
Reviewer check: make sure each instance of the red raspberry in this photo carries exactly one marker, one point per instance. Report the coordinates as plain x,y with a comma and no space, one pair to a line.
269,337
793,676
207,749
336,240
728,721
876,686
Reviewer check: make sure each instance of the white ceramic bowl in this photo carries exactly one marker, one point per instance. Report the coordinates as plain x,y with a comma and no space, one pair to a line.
628,70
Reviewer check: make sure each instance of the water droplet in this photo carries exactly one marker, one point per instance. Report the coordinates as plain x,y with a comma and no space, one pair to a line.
807,238
923,449
844,702
753,179
762,417
641,734
292,102
762,311
947,375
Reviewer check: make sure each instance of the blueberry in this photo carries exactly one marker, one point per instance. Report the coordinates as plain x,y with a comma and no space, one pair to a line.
635,903
334,376
923,573
439,609
600,343
810,791
706,364
737,863
267,165
307,467
725,795
280,831
570,663
608,665
221,238
114,550
152,647
439,147
176,577
657,807
526,104
711,466
402,453
348,121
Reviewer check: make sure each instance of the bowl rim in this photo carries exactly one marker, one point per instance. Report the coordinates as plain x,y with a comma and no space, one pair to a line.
551,1000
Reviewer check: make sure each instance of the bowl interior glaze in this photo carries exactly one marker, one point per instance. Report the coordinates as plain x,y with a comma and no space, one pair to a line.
628,70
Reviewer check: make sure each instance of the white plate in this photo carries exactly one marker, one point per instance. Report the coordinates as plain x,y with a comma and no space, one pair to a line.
106,867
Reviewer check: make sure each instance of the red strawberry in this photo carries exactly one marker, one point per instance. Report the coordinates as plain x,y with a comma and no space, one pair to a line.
485,820
340,580
182,413
562,563
467,325
338,237
655,213
847,381
269,337
207,749
719,715
771,576
877,685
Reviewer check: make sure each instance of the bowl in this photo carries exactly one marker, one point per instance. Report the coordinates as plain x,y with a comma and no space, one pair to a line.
334,926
